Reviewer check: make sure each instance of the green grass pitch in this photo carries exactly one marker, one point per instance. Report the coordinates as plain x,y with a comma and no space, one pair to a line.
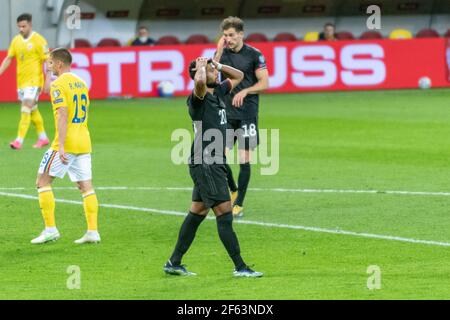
361,141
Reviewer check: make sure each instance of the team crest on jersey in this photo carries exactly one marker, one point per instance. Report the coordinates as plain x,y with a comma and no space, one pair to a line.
56,94
262,60
29,46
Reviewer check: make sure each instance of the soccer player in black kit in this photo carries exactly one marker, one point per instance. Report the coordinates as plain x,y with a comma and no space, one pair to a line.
232,51
207,165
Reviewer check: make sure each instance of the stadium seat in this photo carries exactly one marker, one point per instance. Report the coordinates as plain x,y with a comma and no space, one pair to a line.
197,39
285,36
400,34
371,35
257,37
168,40
447,34
109,42
82,43
311,36
427,33
344,35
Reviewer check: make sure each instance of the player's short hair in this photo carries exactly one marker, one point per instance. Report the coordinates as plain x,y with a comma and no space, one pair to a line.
232,22
25,17
142,27
329,24
191,69
63,55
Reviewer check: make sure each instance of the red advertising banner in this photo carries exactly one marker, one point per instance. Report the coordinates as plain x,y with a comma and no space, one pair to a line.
447,53
293,67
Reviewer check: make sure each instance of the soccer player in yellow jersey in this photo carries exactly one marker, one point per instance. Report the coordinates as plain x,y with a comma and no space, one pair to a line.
30,50
71,149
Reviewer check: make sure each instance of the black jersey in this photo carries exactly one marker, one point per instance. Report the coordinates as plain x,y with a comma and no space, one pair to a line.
209,121
248,60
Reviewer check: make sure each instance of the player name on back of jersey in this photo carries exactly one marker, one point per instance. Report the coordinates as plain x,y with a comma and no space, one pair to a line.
77,85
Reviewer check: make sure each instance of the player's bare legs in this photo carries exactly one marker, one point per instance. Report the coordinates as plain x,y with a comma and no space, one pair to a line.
43,180
90,205
199,208
47,204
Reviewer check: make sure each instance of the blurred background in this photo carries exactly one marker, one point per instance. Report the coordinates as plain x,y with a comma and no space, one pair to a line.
129,48
118,20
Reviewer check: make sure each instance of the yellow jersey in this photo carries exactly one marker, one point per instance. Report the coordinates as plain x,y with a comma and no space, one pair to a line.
30,54
71,92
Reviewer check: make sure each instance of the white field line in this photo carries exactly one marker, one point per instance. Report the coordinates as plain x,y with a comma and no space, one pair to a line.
390,192
249,222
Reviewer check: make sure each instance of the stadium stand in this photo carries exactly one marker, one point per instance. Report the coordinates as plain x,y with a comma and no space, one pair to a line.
257,37
82,43
344,35
109,42
285,36
427,33
311,36
371,35
167,40
119,20
197,39
400,34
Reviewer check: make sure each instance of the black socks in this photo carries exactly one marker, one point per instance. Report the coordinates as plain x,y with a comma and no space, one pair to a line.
186,236
244,179
226,234
231,182
229,239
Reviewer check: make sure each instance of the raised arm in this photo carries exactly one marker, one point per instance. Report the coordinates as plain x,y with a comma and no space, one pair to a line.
233,74
220,45
200,77
48,81
5,64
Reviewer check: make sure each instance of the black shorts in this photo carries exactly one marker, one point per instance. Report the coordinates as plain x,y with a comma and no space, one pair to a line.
210,184
245,131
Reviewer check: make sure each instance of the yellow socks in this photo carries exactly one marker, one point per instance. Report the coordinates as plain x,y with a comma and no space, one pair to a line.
47,204
90,204
38,122
24,124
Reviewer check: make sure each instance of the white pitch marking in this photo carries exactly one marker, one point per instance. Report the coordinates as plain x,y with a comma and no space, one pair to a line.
257,223
390,192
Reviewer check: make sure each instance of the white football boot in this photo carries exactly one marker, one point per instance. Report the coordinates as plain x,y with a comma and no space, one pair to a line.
46,236
89,237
